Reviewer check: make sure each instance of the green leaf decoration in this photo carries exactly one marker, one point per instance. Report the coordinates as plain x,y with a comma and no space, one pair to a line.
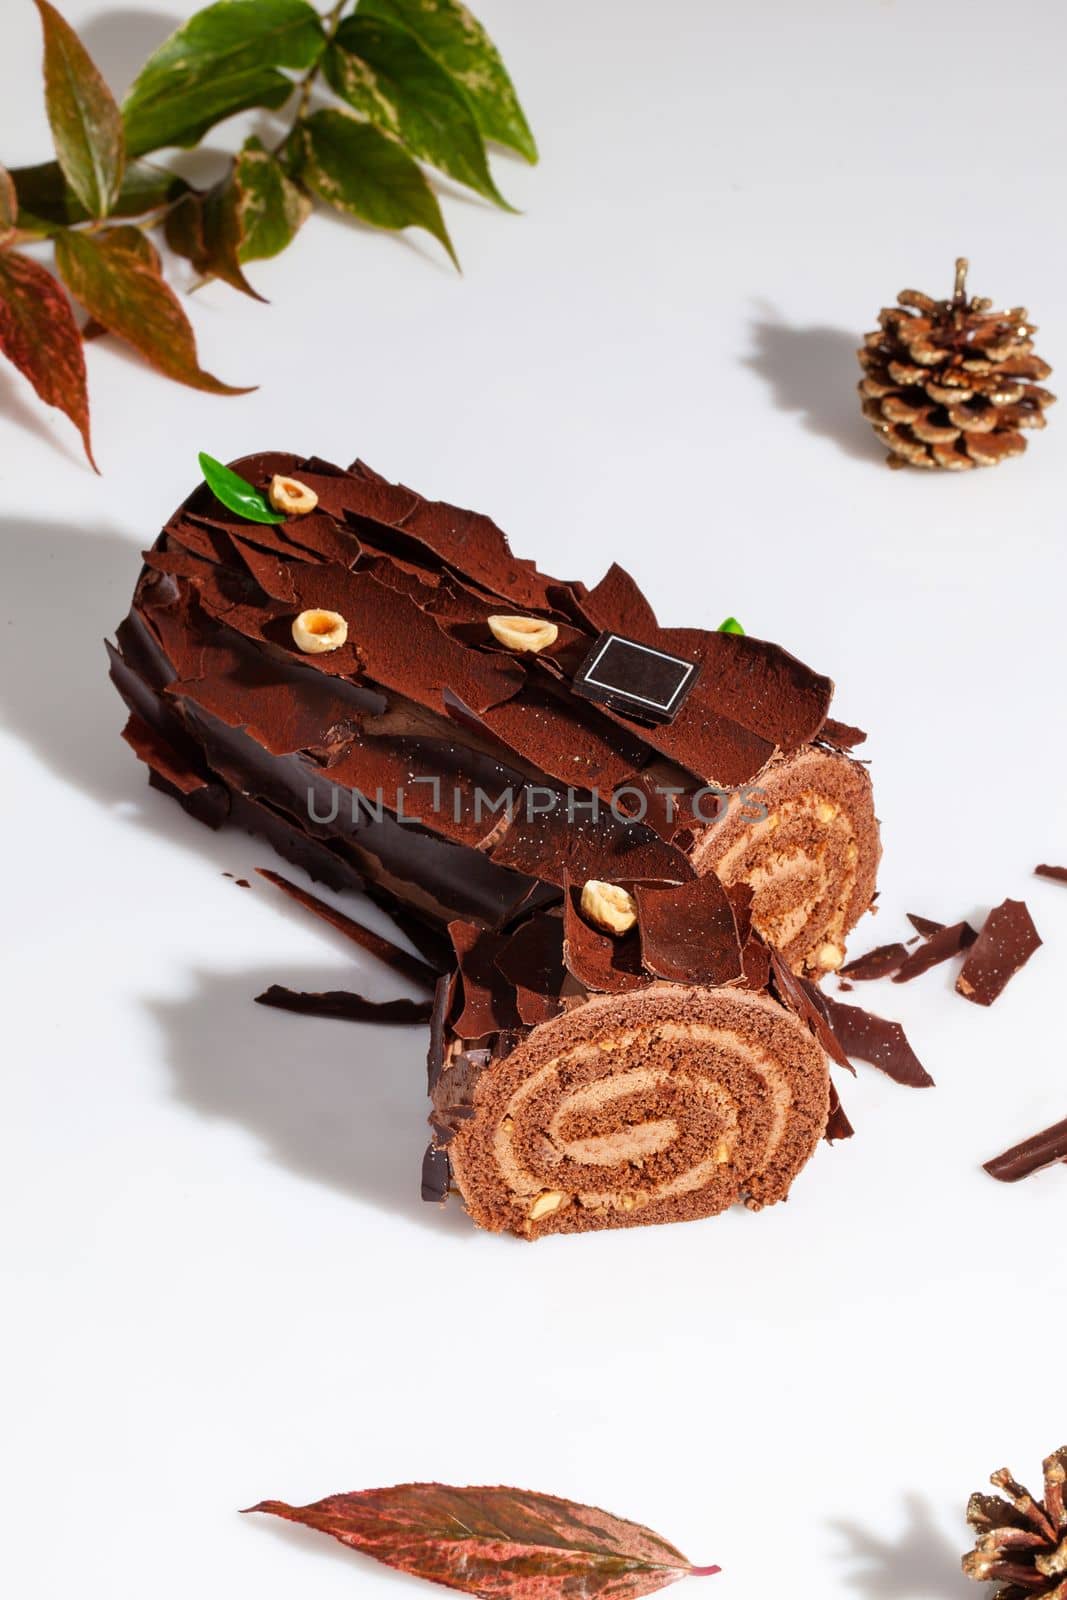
357,168
731,625
236,493
116,277
271,210
86,123
39,335
46,200
459,43
223,60
9,207
205,229
384,72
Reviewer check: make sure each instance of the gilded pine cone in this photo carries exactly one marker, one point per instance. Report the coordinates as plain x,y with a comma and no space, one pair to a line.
1022,1542
952,383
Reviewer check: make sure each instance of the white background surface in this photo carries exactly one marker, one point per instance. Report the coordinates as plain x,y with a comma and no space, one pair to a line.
221,1284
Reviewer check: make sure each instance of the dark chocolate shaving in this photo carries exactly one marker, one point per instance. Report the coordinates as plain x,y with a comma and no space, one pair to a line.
1006,942
400,961
346,1007
940,946
924,925
489,1000
877,963
689,933
878,1041
1042,1150
810,1005
436,1174
841,735
1057,874
837,1124
532,961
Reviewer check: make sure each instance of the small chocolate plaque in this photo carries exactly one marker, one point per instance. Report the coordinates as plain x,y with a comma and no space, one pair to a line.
635,679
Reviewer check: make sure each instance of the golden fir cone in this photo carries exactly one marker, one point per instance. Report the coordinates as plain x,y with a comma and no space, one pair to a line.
952,383
1022,1541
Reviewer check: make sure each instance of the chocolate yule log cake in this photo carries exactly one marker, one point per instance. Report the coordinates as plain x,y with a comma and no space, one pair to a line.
627,847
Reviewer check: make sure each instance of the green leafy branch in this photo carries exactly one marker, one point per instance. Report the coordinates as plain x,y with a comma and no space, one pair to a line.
412,81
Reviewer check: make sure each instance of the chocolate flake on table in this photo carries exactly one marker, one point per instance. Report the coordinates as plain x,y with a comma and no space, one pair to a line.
1057,874
924,925
877,963
635,679
1006,942
344,1006
1042,1150
406,965
939,946
878,1041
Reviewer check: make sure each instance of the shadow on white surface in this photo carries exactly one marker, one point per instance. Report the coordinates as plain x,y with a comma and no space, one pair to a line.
19,407
814,372
920,1564
341,1103
68,712
120,41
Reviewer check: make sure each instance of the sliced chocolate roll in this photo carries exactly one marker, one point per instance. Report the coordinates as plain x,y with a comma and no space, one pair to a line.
805,840
384,691
657,1101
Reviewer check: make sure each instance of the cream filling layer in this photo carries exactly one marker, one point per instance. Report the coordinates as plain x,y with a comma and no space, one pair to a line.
635,1143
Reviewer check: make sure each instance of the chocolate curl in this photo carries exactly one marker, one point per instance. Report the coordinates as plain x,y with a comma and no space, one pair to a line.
345,1007
1042,1150
400,961
1057,874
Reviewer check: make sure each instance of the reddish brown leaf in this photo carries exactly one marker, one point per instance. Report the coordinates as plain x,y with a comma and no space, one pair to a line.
116,276
39,334
9,206
498,1541
85,120
205,228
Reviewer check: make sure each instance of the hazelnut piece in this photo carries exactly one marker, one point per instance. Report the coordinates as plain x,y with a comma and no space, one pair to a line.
608,906
550,1200
290,495
523,633
829,956
316,632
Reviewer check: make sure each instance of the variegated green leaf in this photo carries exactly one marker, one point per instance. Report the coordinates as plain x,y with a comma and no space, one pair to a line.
384,72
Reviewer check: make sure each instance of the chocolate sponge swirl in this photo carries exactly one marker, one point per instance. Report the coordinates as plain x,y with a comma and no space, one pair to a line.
385,764
649,1101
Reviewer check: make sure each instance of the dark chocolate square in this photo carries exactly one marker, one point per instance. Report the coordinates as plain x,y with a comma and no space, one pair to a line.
635,679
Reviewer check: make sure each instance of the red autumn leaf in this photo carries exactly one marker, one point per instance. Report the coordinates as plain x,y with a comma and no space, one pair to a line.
491,1542
9,207
39,334
205,228
85,120
116,276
